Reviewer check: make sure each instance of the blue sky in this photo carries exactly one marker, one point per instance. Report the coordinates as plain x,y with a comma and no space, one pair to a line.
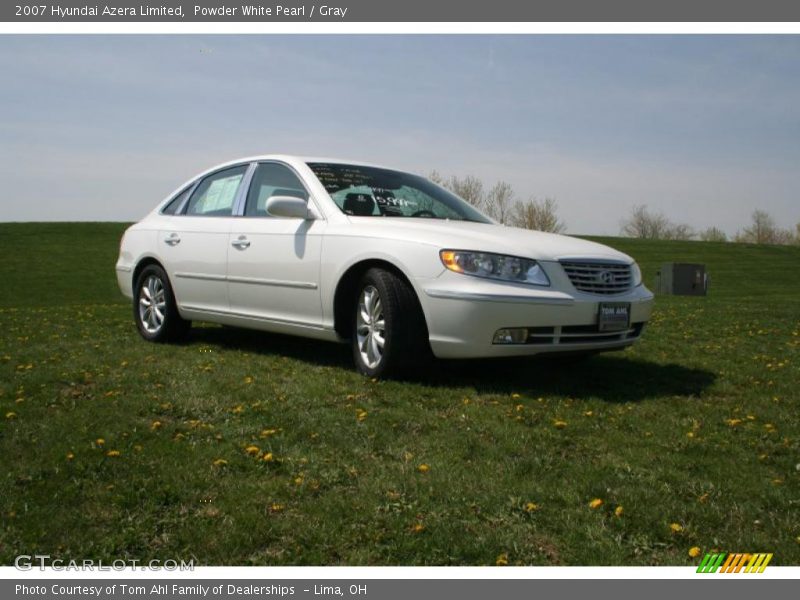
702,128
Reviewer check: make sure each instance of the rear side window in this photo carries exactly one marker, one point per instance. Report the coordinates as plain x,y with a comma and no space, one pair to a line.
174,204
215,195
272,179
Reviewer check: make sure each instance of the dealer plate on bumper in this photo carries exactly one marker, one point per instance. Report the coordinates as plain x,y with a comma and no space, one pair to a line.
613,316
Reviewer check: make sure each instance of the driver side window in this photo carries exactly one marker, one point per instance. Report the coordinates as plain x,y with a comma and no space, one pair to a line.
272,179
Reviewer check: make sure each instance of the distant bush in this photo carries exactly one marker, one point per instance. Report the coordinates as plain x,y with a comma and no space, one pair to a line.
501,204
643,224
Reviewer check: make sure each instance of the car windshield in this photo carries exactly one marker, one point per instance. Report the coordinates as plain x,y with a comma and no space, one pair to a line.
372,192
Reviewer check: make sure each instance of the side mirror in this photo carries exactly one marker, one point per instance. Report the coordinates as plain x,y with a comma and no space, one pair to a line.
288,207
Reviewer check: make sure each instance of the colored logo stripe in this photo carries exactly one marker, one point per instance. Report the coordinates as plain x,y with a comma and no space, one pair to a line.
734,563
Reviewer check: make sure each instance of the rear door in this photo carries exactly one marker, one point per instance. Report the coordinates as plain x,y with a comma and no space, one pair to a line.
273,262
194,244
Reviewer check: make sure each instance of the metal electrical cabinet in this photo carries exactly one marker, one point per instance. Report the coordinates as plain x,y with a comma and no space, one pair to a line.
682,279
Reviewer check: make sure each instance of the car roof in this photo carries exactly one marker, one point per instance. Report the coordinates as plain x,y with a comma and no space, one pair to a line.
292,158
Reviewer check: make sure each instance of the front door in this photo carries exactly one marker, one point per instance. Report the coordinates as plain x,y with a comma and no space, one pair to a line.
273,262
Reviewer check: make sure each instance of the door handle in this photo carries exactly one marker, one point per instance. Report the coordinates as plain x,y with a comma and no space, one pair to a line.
173,240
241,243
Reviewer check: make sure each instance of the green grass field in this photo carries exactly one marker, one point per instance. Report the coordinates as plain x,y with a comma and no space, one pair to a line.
245,448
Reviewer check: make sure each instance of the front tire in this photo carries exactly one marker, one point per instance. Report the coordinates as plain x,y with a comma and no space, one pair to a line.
154,308
389,333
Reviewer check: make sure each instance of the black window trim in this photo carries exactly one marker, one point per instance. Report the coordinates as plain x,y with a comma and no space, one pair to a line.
189,188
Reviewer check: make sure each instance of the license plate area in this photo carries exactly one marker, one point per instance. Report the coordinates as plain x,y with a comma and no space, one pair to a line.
613,316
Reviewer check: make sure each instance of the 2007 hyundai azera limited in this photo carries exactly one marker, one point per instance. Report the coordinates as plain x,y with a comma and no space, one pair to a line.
385,259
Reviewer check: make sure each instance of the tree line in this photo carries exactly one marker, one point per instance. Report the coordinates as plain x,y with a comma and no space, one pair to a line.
502,204
645,224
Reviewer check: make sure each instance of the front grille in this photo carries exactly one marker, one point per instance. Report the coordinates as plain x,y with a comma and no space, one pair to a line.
580,334
599,277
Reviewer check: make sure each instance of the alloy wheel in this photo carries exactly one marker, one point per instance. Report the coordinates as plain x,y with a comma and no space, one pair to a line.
152,304
370,327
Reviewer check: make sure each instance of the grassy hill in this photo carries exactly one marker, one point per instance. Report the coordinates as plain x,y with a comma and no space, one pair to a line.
113,448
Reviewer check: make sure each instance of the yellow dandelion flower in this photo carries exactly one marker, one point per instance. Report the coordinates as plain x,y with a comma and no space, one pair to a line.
704,498
155,425
558,424
237,409
138,447
100,442
694,551
596,503
11,415
298,480
675,527
220,462
361,414
515,396
618,511
248,380
267,432
423,468
418,528
690,434
502,560
113,453
733,422
70,456
275,507
531,506
252,450
588,413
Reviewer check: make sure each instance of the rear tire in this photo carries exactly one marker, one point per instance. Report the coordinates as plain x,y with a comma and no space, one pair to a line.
154,308
389,334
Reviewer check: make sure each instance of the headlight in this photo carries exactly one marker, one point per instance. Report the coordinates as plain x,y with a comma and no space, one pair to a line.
636,275
494,266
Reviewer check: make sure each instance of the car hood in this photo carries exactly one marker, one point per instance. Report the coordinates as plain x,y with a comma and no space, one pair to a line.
466,235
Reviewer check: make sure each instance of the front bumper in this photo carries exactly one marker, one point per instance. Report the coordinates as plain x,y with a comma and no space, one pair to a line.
463,313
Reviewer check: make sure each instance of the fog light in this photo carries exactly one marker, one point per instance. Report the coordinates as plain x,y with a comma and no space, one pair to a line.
516,335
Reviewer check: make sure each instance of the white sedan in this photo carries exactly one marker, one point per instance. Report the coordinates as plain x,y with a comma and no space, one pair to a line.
386,260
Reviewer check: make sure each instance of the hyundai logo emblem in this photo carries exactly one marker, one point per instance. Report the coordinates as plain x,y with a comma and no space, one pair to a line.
605,277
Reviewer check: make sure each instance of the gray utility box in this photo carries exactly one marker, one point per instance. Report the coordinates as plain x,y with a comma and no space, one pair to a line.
682,279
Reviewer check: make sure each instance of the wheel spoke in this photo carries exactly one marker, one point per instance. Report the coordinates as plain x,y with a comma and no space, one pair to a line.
373,346
378,340
144,301
376,309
